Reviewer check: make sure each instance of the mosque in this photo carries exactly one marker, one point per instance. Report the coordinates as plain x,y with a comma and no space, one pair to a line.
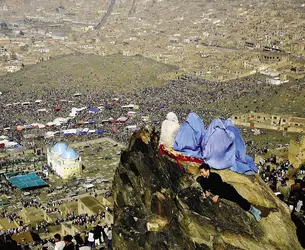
64,160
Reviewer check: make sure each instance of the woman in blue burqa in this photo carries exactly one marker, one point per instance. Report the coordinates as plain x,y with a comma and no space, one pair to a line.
225,149
190,137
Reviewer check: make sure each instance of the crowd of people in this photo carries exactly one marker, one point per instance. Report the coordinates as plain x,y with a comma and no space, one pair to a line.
289,187
178,96
152,102
93,237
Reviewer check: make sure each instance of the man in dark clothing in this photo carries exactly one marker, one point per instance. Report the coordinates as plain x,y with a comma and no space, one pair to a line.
10,244
212,185
69,245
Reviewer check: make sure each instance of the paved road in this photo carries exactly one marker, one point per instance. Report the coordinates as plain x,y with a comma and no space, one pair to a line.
107,14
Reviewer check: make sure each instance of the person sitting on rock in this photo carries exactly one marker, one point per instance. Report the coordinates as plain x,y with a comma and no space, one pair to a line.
169,130
212,184
190,137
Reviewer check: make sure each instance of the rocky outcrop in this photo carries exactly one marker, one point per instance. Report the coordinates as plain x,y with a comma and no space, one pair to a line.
159,206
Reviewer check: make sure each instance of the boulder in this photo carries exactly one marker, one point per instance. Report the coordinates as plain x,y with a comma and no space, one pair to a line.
158,205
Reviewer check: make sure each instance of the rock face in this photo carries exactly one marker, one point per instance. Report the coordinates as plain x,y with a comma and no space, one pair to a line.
158,205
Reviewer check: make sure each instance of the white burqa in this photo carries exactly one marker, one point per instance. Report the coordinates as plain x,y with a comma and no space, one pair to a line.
169,130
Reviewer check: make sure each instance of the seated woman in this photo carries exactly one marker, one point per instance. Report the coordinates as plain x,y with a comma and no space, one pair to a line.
219,150
244,163
225,148
190,138
169,130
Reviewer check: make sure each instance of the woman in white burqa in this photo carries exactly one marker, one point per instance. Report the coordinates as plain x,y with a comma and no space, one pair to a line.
169,130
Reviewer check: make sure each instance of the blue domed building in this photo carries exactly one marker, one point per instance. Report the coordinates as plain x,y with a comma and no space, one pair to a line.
65,161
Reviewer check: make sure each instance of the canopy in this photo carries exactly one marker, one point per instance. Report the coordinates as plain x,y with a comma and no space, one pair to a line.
121,119
131,113
131,127
99,131
131,106
38,125
30,180
94,110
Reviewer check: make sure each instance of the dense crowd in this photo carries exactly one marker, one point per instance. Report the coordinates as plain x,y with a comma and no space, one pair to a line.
278,178
178,96
90,223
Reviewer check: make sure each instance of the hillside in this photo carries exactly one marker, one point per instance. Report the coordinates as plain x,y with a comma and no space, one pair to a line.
115,72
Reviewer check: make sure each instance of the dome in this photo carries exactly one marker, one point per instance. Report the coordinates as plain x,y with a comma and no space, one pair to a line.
60,147
69,154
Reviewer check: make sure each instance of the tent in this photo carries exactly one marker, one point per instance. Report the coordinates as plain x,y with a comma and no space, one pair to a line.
88,185
69,132
131,127
11,144
49,124
99,131
93,110
91,121
28,126
77,94
25,103
84,131
131,113
91,131
41,110
38,125
57,109
38,101
121,119
129,106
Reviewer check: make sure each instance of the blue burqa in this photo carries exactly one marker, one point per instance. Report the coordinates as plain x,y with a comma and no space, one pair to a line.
225,148
190,137
244,163
219,150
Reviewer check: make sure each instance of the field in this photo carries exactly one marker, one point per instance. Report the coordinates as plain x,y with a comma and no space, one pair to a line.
115,72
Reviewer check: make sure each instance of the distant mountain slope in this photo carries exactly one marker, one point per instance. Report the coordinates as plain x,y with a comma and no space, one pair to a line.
110,72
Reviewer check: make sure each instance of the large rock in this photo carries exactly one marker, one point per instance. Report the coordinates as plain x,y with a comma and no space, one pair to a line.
159,206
